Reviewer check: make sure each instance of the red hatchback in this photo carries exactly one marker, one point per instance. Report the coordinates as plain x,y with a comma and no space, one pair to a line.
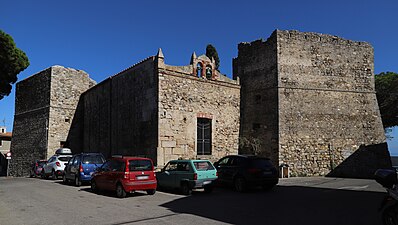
125,175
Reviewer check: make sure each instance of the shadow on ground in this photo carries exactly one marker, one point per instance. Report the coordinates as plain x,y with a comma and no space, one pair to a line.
284,205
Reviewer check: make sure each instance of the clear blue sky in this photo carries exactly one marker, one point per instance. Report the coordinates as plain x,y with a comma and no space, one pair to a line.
105,37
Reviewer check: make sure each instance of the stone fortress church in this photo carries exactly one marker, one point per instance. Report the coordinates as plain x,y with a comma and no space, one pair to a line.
303,99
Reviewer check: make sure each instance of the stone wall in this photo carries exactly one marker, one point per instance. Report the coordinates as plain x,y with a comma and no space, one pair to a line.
327,101
119,115
323,96
183,98
29,141
67,85
256,67
44,106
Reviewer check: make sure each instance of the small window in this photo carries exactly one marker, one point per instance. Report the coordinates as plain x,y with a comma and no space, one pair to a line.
140,165
199,69
223,162
172,166
93,159
209,72
203,166
67,120
183,166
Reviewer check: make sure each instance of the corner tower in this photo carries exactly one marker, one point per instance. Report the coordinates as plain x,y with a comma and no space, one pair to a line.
45,104
309,101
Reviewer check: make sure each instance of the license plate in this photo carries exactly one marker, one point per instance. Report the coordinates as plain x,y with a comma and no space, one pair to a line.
142,177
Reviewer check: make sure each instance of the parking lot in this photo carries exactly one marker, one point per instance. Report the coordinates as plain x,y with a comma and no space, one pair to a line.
294,201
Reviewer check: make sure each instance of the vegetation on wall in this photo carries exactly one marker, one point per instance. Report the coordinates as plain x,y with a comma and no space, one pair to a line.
211,52
387,97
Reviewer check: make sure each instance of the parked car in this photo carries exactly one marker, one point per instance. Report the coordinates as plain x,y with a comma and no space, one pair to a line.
81,166
56,164
37,167
244,171
125,175
187,175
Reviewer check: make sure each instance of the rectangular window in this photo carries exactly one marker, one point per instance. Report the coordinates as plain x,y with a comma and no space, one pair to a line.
204,136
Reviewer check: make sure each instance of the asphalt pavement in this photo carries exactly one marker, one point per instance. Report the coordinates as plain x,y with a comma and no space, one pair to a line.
315,200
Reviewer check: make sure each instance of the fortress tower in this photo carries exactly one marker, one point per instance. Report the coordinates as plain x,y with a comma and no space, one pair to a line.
308,100
45,104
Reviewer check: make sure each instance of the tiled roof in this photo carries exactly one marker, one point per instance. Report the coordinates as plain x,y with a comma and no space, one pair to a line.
7,134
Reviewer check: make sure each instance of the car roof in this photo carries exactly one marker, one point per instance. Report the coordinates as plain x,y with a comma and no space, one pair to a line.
130,158
89,153
189,160
249,156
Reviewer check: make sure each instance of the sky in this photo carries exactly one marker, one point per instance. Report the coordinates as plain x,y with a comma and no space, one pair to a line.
105,37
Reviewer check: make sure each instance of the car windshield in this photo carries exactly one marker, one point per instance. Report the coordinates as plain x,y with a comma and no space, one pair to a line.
204,165
93,159
261,163
140,165
64,158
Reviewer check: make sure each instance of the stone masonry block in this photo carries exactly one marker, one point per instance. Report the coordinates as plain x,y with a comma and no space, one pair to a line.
168,144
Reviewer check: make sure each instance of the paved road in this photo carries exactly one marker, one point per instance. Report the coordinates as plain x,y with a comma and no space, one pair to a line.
294,201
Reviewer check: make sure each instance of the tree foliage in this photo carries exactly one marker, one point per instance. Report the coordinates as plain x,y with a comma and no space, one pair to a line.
211,52
12,62
387,97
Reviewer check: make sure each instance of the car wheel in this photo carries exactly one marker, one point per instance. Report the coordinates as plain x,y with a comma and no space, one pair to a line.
208,189
78,182
389,216
185,189
53,175
240,184
120,192
94,187
151,191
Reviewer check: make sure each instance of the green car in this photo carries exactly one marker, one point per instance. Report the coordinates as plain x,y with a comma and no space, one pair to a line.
187,175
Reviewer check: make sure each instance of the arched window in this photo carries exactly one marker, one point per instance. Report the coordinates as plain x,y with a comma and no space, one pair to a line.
199,69
209,72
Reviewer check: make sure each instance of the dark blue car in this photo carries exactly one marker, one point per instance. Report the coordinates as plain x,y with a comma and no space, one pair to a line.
81,166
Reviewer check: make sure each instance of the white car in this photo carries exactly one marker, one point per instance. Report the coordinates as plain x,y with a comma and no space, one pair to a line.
56,164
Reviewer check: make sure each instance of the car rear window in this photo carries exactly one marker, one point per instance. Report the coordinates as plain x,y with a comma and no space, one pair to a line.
93,159
205,165
261,163
64,158
140,165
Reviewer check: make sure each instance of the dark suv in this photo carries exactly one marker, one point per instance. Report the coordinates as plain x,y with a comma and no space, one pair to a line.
243,171
80,168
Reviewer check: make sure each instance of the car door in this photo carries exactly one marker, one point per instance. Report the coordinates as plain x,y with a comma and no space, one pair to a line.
182,173
117,173
48,166
68,168
74,170
167,176
101,174
223,170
